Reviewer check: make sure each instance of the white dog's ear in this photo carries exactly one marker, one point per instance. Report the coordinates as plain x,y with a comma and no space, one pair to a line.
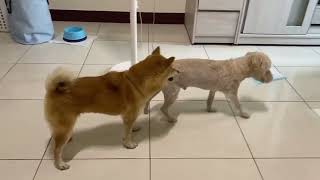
259,62
178,67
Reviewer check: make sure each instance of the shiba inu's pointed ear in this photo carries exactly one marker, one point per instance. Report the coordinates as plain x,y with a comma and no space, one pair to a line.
170,60
156,51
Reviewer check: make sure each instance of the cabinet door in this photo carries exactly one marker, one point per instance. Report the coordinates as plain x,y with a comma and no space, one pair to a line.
279,16
223,5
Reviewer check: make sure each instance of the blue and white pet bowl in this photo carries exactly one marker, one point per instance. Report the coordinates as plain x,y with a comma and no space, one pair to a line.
74,34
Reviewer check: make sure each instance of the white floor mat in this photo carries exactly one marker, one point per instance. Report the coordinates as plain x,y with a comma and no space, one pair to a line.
86,43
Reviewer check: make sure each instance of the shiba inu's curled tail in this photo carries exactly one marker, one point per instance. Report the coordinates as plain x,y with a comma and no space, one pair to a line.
59,80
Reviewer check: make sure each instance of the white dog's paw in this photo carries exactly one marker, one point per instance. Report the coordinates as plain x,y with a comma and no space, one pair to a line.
146,110
172,120
245,115
70,140
136,128
130,144
62,166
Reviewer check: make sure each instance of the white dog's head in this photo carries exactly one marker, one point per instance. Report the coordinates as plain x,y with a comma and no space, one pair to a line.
260,65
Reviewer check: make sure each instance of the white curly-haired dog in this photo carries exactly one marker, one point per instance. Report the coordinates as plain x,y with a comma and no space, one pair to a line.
222,75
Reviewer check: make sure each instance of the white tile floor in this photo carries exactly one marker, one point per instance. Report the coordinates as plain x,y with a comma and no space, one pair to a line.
279,142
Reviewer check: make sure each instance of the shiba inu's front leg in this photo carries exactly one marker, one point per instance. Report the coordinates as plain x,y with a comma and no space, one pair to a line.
146,107
128,121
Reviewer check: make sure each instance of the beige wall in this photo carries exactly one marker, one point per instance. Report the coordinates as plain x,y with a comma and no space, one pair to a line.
175,6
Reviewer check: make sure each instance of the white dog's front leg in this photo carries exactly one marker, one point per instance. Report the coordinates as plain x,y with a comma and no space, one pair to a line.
210,100
236,104
170,95
146,108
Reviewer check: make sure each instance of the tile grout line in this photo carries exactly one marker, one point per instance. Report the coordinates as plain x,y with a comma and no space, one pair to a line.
20,99
14,64
149,114
313,50
20,59
52,63
303,100
238,158
182,100
197,100
205,50
259,48
42,158
119,40
18,159
288,158
148,39
304,66
316,66
5,74
99,28
84,62
68,64
222,100
167,158
151,39
245,139
150,45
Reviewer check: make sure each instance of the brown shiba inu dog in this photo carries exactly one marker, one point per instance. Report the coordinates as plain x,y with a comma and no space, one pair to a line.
115,93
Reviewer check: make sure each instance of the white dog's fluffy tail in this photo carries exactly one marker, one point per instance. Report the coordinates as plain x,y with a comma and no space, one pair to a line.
59,80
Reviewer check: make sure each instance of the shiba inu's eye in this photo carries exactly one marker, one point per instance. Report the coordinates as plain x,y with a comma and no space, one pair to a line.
170,78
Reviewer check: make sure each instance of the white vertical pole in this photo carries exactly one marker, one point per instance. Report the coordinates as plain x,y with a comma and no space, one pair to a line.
133,23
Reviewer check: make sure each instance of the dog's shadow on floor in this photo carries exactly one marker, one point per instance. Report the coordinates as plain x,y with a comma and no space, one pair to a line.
193,107
221,106
109,135
253,105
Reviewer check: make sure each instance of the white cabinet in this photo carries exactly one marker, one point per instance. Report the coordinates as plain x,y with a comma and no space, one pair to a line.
222,5
295,22
279,16
316,16
217,24
213,21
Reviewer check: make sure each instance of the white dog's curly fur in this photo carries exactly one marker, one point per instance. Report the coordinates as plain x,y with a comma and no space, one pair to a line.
224,76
